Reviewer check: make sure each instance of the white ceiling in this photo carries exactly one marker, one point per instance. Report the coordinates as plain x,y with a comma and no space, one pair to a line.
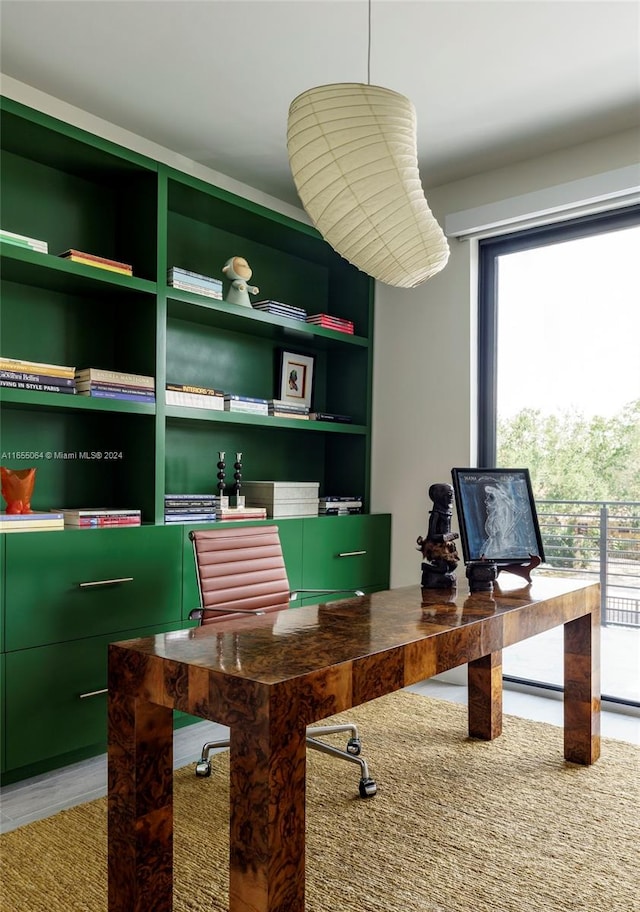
493,81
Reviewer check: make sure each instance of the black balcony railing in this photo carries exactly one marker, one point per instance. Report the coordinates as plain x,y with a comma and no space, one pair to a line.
599,539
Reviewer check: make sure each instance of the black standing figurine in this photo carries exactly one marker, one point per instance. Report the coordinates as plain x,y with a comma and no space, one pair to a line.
438,548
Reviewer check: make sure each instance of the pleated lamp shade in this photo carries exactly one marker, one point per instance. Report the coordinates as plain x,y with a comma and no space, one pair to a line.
353,155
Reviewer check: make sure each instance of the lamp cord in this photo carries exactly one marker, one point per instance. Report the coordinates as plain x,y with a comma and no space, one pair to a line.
369,45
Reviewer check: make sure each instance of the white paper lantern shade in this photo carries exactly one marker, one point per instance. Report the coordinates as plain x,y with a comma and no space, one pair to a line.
353,156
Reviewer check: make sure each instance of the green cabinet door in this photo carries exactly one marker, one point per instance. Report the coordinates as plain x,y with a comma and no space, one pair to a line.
347,552
66,585
56,698
290,530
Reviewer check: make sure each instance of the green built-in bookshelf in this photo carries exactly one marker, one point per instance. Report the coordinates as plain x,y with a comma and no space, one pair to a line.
62,185
76,190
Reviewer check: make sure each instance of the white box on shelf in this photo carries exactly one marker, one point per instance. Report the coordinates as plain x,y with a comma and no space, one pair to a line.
279,492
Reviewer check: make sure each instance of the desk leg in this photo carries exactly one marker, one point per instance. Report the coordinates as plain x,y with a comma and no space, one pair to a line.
140,806
582,689
485,696
267,803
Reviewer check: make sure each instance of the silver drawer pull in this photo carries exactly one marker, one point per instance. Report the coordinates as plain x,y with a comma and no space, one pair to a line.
93,693
351,553
111,582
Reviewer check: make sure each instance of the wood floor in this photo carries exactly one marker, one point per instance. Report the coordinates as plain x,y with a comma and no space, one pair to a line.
44,795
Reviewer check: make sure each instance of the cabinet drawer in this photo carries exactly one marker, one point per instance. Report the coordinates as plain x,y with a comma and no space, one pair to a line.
65,585
46,712
350,552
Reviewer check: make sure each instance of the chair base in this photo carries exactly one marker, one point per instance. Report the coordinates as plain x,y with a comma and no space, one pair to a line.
367,787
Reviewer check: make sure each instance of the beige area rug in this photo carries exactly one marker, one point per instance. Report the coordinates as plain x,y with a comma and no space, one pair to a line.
457,825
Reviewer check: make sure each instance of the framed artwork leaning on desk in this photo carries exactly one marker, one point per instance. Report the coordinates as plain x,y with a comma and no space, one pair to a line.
497,515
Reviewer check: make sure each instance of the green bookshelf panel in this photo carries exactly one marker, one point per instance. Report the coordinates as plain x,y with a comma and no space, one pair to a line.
83,459
291,263
61,185
113,332
276,454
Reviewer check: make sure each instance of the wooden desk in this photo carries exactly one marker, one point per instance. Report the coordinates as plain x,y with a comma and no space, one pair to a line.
268,677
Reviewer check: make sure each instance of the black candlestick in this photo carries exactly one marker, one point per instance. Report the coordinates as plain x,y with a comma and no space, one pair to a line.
221,469
237,475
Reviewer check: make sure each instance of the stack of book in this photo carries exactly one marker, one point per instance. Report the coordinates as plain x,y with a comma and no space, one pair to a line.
108,384
31,522
41,377
99,517
245,404
330,416
194,282
191,508
22,240
281,310
280,408
327,321
194,396
91,259
283,498
340,506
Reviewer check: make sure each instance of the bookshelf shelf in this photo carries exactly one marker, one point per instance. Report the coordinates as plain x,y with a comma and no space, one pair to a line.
62,185
221,314
59,402
46,271
182,413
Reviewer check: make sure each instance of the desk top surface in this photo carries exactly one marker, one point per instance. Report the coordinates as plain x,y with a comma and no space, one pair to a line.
284,644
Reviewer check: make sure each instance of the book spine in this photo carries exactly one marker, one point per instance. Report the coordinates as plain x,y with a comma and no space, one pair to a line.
190,507
192,279
92,385
93,258
32,527
98,522
114,378
92,512
191,517
85,262
30,517
38,246
177,271
191,400
36,387
246,407
26,377
124,397
198,390
201,497
230,397
326,416
48,370
197,289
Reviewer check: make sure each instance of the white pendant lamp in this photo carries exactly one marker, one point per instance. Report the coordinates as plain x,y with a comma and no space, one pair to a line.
353,155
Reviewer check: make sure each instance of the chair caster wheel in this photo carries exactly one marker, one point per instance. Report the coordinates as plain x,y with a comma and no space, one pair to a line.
354,746
203,768
367,788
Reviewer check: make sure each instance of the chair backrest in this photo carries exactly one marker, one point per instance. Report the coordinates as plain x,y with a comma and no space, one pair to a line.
239,569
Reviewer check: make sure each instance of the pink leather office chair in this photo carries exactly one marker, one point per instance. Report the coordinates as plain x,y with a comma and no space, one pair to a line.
242,571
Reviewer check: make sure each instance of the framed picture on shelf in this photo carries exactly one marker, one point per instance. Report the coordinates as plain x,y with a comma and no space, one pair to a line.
296,378
497,515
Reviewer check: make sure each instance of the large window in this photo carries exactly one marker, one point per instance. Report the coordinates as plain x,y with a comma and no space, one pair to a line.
559,387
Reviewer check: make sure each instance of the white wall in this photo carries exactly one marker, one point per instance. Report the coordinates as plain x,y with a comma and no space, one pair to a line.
425,338
424,396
